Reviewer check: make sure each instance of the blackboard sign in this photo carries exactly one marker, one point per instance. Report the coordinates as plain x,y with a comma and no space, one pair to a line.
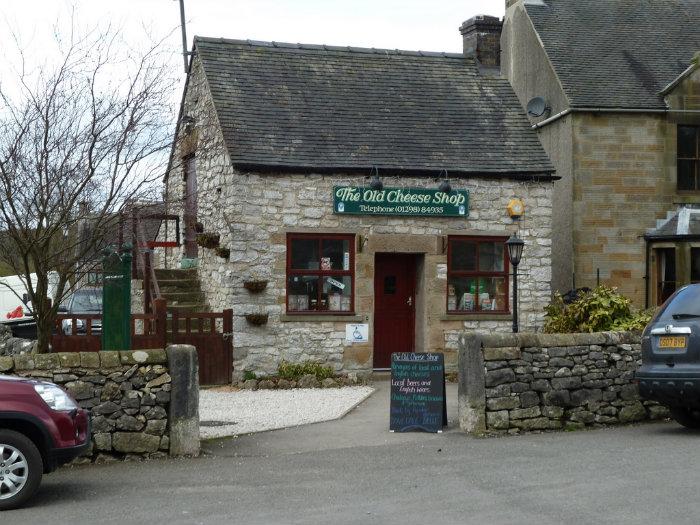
417,392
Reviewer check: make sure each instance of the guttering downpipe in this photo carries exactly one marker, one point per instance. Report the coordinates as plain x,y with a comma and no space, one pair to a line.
564,113
646,273
551,119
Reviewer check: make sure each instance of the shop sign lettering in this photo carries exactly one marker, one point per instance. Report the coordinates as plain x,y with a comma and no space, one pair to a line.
416,202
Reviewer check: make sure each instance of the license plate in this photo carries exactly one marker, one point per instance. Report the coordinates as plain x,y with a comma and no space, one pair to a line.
672,342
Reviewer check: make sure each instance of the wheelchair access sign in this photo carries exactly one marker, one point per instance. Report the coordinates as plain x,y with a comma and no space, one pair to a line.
357,333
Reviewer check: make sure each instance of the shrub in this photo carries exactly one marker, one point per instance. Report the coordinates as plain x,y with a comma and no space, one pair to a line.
247,375
294,371
596,310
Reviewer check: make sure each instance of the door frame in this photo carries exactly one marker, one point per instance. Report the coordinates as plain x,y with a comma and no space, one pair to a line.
413,257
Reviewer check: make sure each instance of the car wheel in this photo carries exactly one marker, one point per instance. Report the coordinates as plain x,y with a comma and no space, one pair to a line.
687,417
21,468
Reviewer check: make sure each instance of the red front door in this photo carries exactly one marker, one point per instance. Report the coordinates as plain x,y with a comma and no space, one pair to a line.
394,306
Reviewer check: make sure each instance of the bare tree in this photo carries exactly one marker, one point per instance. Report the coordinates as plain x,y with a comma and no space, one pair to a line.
80,137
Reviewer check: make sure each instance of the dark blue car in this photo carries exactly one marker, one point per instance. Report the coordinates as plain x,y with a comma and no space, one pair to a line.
670,371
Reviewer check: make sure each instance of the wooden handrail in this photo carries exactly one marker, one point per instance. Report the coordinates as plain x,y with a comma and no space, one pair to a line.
144,253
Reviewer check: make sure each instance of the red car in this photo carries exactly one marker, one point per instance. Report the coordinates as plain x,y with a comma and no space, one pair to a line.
41,428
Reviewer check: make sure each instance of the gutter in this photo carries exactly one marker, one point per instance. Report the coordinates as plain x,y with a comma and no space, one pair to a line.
566,112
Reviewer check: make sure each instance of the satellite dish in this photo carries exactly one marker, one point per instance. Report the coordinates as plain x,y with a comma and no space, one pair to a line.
537,107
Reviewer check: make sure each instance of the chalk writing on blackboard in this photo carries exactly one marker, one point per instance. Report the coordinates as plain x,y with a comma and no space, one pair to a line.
417,392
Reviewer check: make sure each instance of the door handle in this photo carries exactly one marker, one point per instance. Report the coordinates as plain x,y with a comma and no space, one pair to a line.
409,301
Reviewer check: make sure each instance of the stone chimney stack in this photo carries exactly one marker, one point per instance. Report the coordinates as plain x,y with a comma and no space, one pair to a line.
510,3
482,39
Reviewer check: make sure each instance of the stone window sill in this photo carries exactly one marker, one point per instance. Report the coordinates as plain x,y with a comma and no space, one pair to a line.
321,318
476,317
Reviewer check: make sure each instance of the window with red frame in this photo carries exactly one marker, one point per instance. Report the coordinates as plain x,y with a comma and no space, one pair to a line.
320,273
477,275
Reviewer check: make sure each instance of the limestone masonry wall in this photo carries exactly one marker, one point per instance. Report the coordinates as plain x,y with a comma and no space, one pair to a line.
253,212
128,395
550,381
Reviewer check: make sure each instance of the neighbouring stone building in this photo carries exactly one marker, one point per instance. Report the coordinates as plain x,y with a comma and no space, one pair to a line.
622,127
358,198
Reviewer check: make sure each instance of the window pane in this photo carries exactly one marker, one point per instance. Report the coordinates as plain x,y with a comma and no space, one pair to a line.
491,257
666,273
686,302
461,293
463,256
335,254
688,141
305,254
336,293
695,265
492,293
302,293
686,174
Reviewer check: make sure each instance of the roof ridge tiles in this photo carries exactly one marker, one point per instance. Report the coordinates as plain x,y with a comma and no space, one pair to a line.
326,47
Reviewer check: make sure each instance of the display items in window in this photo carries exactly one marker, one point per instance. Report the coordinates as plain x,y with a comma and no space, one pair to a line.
477,275
320,277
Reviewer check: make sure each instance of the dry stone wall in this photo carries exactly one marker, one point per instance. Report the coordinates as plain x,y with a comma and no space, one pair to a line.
551,382
128,395
10,345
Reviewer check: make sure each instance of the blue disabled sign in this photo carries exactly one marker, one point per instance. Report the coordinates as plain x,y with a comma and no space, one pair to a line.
417,392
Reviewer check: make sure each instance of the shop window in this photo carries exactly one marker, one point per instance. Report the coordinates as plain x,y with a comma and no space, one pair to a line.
688,157
665,273
477,275
320,273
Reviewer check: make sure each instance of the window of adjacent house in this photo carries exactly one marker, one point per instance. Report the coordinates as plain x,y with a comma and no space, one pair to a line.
695,265
688,157
665,273
477,275
320,273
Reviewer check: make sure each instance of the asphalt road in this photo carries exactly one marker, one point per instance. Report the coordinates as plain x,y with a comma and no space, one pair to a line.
354,471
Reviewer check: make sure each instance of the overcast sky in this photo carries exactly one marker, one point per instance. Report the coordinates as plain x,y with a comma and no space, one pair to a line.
404,24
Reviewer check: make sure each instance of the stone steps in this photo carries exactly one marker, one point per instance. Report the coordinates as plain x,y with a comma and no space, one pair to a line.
182,290
183,297
176,274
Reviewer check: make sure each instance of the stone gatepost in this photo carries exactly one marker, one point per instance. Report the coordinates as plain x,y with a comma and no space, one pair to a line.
184,400
472,385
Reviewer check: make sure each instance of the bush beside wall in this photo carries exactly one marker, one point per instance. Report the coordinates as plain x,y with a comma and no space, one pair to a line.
520,382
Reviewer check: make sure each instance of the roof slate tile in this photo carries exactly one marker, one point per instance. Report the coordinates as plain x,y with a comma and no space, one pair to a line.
320,107
618,53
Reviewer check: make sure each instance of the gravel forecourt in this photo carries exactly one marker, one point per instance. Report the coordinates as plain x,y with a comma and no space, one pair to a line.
225,413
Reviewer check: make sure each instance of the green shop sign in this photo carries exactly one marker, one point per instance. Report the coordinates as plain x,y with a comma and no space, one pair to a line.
417,202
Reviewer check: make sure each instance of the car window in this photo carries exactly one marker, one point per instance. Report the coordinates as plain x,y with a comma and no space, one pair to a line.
87,302
686,301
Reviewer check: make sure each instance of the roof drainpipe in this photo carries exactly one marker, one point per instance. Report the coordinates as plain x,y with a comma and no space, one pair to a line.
561,114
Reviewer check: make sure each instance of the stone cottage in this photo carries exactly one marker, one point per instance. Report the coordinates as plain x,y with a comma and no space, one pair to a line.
621,123
359,197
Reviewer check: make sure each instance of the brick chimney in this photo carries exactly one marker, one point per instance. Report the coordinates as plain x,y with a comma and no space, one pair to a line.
482,39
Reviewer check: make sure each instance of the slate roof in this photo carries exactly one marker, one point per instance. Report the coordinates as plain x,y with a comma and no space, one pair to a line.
325,108
617,53
685,222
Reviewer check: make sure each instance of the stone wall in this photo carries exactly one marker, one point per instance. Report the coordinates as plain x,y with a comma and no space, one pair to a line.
624,180
128,395
253,212
520,382
10,345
